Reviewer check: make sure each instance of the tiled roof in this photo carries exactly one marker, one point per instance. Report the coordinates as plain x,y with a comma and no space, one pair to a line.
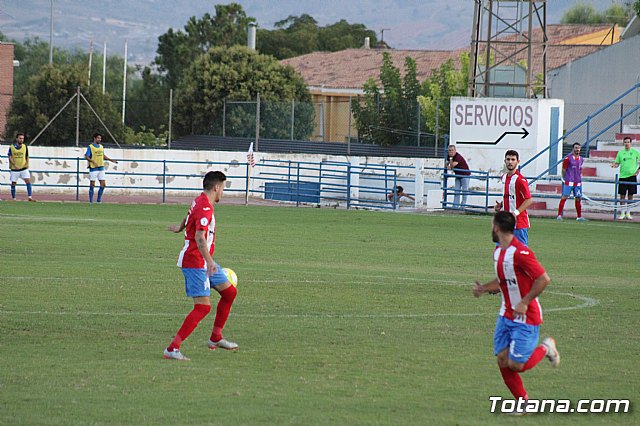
351,68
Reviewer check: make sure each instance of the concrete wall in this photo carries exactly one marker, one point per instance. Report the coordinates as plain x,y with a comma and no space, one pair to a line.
599,77
589,83
61,169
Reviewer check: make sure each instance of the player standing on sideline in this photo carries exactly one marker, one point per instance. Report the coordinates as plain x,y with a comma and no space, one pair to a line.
516,198
19,166
572,176
95,156
520,279
201,271
627,159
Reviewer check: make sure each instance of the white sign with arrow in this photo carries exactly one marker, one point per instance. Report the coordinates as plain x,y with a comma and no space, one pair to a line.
485,128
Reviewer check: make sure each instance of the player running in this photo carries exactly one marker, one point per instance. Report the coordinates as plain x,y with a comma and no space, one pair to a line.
200,271
520,279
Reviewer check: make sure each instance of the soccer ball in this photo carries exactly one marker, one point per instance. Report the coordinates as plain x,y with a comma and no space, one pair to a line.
233,278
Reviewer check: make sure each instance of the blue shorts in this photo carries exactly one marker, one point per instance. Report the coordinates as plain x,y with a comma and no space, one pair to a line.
522,235
521,339
576,190
197,284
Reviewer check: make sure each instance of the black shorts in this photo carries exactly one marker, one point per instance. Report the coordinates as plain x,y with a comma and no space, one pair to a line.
630,188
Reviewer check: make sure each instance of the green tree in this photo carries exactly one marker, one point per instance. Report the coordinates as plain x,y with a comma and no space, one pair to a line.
618,14
389,115
239,74
444,82
636,7
178,49
582,13
148,103
299,35
46,93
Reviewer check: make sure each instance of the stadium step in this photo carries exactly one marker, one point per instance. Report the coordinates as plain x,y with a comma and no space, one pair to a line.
603,154
538,205
549,187
589,171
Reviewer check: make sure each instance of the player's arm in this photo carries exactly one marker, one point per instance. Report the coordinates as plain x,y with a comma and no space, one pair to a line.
536,290
616,162
498,206
201,241
565,166
179,228
109,159
11,163
524,206
492,286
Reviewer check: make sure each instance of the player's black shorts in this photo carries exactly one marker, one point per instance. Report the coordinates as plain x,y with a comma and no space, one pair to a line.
628,188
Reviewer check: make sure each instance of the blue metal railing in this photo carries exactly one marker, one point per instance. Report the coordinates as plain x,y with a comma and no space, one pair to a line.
586,122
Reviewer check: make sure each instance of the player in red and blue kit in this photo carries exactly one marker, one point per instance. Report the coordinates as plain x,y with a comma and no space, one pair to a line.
520,279
200,271
516,197
572,176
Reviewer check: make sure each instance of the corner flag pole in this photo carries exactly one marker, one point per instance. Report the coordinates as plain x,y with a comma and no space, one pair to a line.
251,163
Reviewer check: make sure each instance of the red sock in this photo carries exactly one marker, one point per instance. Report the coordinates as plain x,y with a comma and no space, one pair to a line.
514,383
190,323
227,296
535,358
561,206
579,207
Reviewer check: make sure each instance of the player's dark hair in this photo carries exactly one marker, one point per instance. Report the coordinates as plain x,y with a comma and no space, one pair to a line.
19,134
399,189
512,152
211,179
96,134
576,143
625,138
505,221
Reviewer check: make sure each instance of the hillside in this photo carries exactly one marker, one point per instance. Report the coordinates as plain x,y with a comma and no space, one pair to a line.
407,24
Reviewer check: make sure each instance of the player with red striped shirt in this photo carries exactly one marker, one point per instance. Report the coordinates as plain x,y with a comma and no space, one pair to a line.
520,279
516,198
200,271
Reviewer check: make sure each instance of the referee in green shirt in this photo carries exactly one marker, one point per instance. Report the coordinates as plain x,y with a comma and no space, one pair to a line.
627,159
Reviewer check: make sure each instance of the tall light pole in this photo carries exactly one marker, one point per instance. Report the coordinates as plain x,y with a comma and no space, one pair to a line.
51,36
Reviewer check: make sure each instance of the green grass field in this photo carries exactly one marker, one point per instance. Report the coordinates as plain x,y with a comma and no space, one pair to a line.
342,317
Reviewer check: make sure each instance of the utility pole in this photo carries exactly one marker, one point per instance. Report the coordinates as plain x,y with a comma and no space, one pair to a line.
382,35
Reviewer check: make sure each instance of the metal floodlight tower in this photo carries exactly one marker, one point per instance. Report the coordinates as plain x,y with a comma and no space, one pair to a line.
508,55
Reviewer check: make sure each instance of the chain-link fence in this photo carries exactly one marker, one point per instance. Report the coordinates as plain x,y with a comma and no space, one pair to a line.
350,119
575,114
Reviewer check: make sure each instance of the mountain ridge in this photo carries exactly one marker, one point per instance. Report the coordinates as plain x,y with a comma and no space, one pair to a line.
404,24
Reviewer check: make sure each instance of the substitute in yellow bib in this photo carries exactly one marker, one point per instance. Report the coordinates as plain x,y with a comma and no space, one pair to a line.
95,157
19,165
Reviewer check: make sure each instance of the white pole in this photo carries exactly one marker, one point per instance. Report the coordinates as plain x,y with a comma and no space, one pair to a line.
170,116
51,36
90,61
124,81
104,66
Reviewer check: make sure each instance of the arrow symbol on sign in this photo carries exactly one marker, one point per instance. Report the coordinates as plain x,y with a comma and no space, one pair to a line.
524,134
